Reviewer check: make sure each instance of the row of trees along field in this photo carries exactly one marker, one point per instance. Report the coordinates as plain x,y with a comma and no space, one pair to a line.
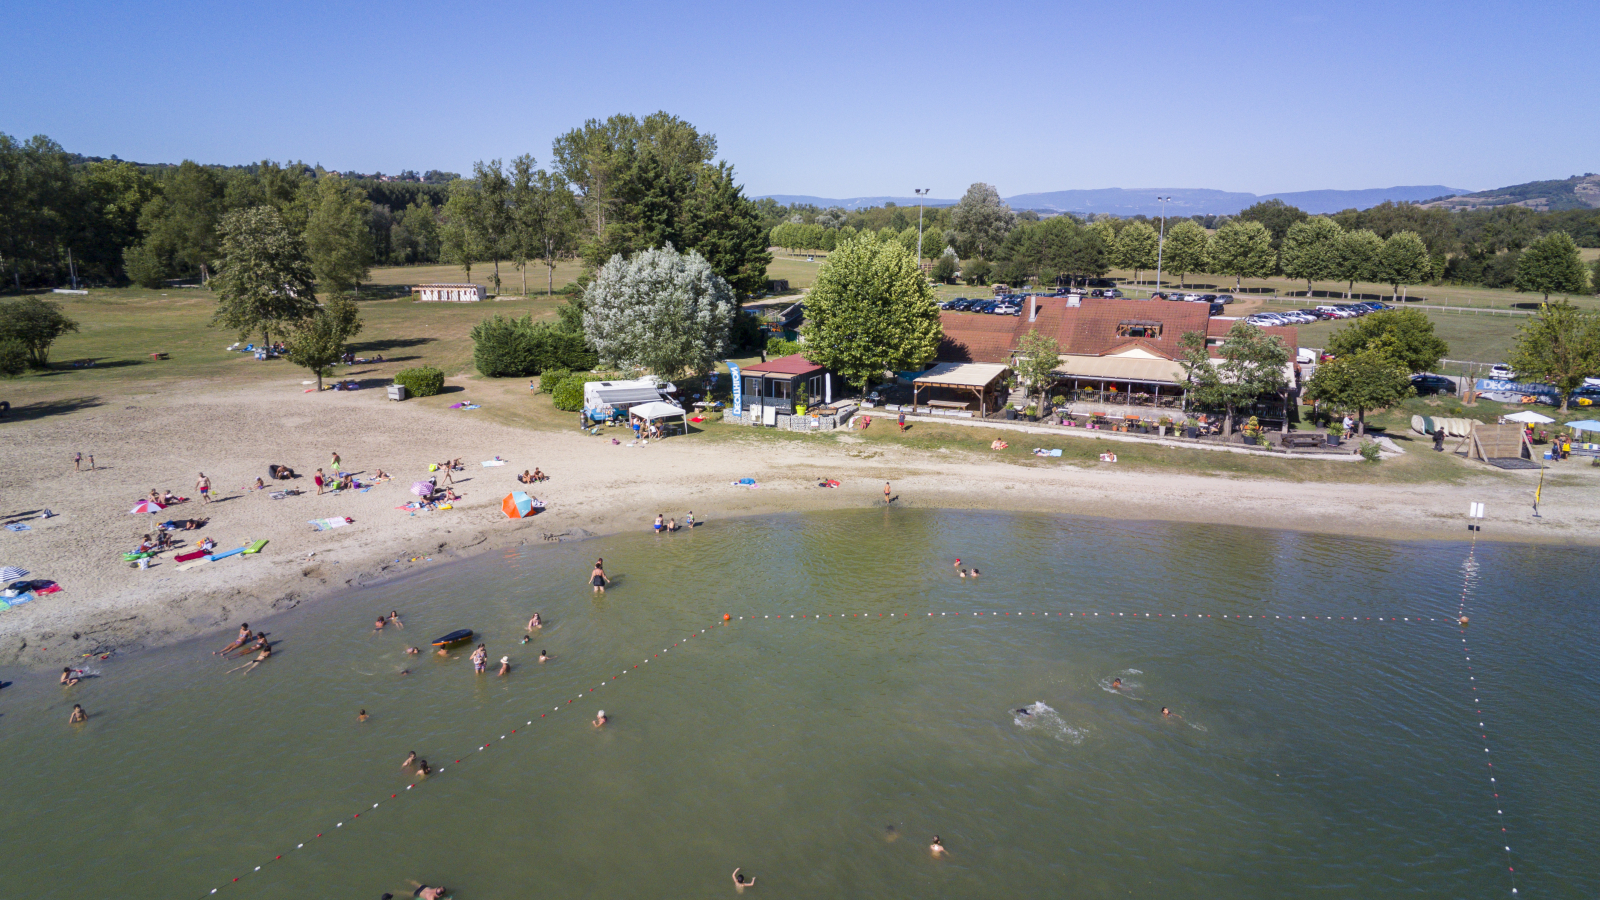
1393,243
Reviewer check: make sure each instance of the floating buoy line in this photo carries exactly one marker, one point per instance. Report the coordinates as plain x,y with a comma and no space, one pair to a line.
728,619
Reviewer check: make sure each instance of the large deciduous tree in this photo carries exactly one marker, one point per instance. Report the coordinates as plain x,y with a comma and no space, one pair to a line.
1243,250
1551,265
1356,258
317,342
338,239
263,280
1363,381
1135,248
1276,215
1038,356
981,221
661,310
33,325
546,218
1250,364
1185,249
870,312
1561,345
1404,260
1310,250
1405,335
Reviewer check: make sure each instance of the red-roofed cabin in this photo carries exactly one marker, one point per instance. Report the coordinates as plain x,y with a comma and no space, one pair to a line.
777,383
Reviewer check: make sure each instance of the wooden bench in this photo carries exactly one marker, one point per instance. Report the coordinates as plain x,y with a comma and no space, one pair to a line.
1304,440
947,404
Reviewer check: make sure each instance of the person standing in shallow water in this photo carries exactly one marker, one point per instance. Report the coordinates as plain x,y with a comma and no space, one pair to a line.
598,578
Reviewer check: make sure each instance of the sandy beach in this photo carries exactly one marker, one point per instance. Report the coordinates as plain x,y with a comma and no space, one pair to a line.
165,440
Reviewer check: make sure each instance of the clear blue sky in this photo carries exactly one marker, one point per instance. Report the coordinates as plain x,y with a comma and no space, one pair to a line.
837,99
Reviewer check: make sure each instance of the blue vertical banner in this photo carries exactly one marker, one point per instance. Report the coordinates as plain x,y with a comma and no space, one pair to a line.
738,387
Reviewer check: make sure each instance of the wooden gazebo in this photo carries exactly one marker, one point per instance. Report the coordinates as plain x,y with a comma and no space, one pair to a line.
979,378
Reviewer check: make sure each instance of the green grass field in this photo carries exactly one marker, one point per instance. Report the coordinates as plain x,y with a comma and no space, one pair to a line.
511,277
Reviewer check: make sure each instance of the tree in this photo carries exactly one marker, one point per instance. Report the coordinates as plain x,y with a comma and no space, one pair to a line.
1368,380
870,312
977,271
662,310
981,221
944,269
1561,345
547,218
1310,250
416,234
1356,258
34,325
1135,248
1243,250
1551,265
1038,356
181,225
1185,251
1276,215
264,280
338,239
1404,260
1404,335
1251,363
318,342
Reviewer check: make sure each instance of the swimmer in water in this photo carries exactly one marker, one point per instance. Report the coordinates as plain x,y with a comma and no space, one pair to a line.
890,834
937,847
423,769
544,656
67,678
740,882
361,716
1024,712
505,666
1116,684
378,625
974,573
78,715
428,893
411,760
600,719
535,622
412,651
957,564
394,616
963,573
598,578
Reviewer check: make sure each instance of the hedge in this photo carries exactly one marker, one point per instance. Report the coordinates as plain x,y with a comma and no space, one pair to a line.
516,348
550,379
423,381
568,395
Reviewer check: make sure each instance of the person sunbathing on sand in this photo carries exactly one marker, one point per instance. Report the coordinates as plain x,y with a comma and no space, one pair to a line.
526,477
538,475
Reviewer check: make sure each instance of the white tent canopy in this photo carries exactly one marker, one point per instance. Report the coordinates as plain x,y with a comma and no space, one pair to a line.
659,409
1530,417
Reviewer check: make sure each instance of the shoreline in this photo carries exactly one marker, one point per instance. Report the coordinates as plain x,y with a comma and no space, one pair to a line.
597,490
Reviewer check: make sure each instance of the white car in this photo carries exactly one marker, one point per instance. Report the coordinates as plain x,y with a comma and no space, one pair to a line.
1502,372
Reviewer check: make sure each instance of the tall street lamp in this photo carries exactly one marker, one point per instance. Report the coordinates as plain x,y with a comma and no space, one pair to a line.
1162,240
921,192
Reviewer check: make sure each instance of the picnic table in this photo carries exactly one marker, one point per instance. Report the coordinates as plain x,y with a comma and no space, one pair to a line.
948,404
1305,440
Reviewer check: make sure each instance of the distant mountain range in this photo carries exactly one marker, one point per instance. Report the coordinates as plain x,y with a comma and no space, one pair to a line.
1185,201
1577,192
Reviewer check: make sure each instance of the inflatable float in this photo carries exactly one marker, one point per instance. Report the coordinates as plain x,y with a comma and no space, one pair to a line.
454,637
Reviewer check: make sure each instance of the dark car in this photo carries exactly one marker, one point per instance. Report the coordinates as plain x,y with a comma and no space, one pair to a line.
1433,384
1216,308
1208,297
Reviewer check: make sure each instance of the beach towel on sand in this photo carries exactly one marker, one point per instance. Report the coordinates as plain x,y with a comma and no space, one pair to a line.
325,524
18,526
186,557
493,462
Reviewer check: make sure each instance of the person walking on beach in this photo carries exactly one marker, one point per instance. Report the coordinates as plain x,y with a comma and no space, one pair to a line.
319,480
203,485
77,462
333,465
886,498
598,578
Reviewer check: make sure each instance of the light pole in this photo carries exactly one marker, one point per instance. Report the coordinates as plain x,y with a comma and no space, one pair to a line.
921,192
1162,239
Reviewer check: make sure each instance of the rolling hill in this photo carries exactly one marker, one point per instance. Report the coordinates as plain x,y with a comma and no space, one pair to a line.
1577,192
1185,201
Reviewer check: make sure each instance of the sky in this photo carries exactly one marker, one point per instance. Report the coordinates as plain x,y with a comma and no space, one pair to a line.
836,99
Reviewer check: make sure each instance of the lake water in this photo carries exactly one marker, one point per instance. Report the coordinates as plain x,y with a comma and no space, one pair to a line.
1315,757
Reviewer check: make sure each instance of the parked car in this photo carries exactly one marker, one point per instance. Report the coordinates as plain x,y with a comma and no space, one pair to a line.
1433,384
1208,297
1006,308
1191,298
1160,296
1584,396
1216,309
1502,372
1112,294
1224,298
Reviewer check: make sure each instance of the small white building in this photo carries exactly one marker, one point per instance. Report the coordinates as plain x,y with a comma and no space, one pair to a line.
450,293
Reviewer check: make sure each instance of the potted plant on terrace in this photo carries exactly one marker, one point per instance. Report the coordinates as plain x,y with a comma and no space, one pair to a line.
1335,432
800,400
1191,429
1164,423
1031,413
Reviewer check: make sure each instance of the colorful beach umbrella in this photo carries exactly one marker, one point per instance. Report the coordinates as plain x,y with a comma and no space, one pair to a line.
145,506
423,488
12,573
516,505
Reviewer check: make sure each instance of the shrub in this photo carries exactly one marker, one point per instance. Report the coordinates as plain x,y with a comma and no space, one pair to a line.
550,379
568,395
423,381
777,347
13,359
144,268
514,348
1369,451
